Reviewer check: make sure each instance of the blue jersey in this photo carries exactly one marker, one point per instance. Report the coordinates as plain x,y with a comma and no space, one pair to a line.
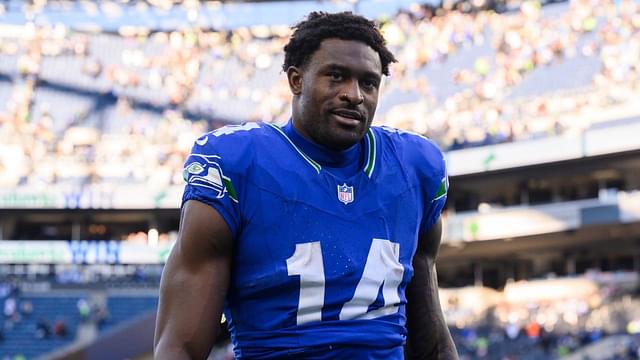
321,262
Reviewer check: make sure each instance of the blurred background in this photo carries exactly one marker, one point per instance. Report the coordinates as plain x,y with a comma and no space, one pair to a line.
535,103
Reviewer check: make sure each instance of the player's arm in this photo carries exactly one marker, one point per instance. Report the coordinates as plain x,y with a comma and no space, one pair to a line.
194,285
428,335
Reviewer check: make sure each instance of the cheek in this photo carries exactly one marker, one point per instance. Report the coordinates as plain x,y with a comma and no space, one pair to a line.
324,90
372,104
322,100
311,106
308,99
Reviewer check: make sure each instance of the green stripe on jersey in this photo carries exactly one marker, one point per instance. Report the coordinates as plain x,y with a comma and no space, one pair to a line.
371,157
230,189
304,156
442,190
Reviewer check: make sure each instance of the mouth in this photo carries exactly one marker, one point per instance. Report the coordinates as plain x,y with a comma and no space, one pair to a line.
350,118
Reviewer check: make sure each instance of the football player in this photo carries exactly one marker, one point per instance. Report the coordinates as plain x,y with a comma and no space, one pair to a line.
317,239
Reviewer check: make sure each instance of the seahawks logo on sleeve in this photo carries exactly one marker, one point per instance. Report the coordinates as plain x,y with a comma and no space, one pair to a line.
205,171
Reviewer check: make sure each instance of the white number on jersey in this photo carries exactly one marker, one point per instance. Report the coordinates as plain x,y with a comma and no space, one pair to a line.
382,269
307,262
230,129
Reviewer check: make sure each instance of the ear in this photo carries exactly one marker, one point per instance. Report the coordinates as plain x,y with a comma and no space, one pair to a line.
294,76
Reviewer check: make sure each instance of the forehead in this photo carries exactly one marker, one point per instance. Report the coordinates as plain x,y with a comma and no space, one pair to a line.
354,55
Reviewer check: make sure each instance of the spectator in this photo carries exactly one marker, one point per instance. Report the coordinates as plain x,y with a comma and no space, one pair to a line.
43,330
512,330
26,308
533,330
9,307
84,309
100,314
60,328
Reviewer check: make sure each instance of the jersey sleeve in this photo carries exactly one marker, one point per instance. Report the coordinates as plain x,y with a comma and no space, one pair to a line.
429,167
432,172
436,195
213,173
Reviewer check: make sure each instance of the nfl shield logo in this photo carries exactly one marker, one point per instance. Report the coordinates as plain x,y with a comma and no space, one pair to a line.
345,193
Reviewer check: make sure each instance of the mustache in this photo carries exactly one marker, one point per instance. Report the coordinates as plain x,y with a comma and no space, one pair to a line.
349,112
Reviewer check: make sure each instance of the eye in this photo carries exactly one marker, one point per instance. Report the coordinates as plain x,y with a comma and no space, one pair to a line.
369,84
336,76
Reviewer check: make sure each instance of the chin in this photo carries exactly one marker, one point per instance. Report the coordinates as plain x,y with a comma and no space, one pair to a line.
345,138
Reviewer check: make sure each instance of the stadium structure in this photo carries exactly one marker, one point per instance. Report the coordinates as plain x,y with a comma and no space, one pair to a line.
534,104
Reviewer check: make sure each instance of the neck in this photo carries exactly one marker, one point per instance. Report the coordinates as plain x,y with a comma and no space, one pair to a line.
325,156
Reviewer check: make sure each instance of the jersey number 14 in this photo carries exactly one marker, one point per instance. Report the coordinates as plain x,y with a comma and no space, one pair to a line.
383,268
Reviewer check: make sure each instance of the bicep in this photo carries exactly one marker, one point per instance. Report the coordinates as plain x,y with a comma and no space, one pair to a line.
423,304
424,281
194,284
429,242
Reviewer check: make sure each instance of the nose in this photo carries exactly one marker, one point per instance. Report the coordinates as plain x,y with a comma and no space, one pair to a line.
352,94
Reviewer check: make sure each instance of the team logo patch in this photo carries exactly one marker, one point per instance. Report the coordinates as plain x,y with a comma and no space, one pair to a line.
205,173
345,193
195,168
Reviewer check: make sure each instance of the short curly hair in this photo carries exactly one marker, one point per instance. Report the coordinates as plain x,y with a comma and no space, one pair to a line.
318,26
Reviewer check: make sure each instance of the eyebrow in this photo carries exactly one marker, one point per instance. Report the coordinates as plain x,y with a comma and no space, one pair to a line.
334,66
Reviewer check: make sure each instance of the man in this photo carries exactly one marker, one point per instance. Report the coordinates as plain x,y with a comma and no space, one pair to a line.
318,239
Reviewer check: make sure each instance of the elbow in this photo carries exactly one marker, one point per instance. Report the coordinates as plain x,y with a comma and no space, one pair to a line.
159,352
185,351
163,350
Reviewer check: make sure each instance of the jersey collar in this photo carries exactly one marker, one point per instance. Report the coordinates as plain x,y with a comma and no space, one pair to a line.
370,149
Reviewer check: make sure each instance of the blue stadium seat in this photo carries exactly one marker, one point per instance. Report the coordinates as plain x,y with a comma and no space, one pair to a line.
20,337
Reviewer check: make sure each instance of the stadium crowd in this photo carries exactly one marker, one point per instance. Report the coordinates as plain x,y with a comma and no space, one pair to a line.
184,73
550,324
